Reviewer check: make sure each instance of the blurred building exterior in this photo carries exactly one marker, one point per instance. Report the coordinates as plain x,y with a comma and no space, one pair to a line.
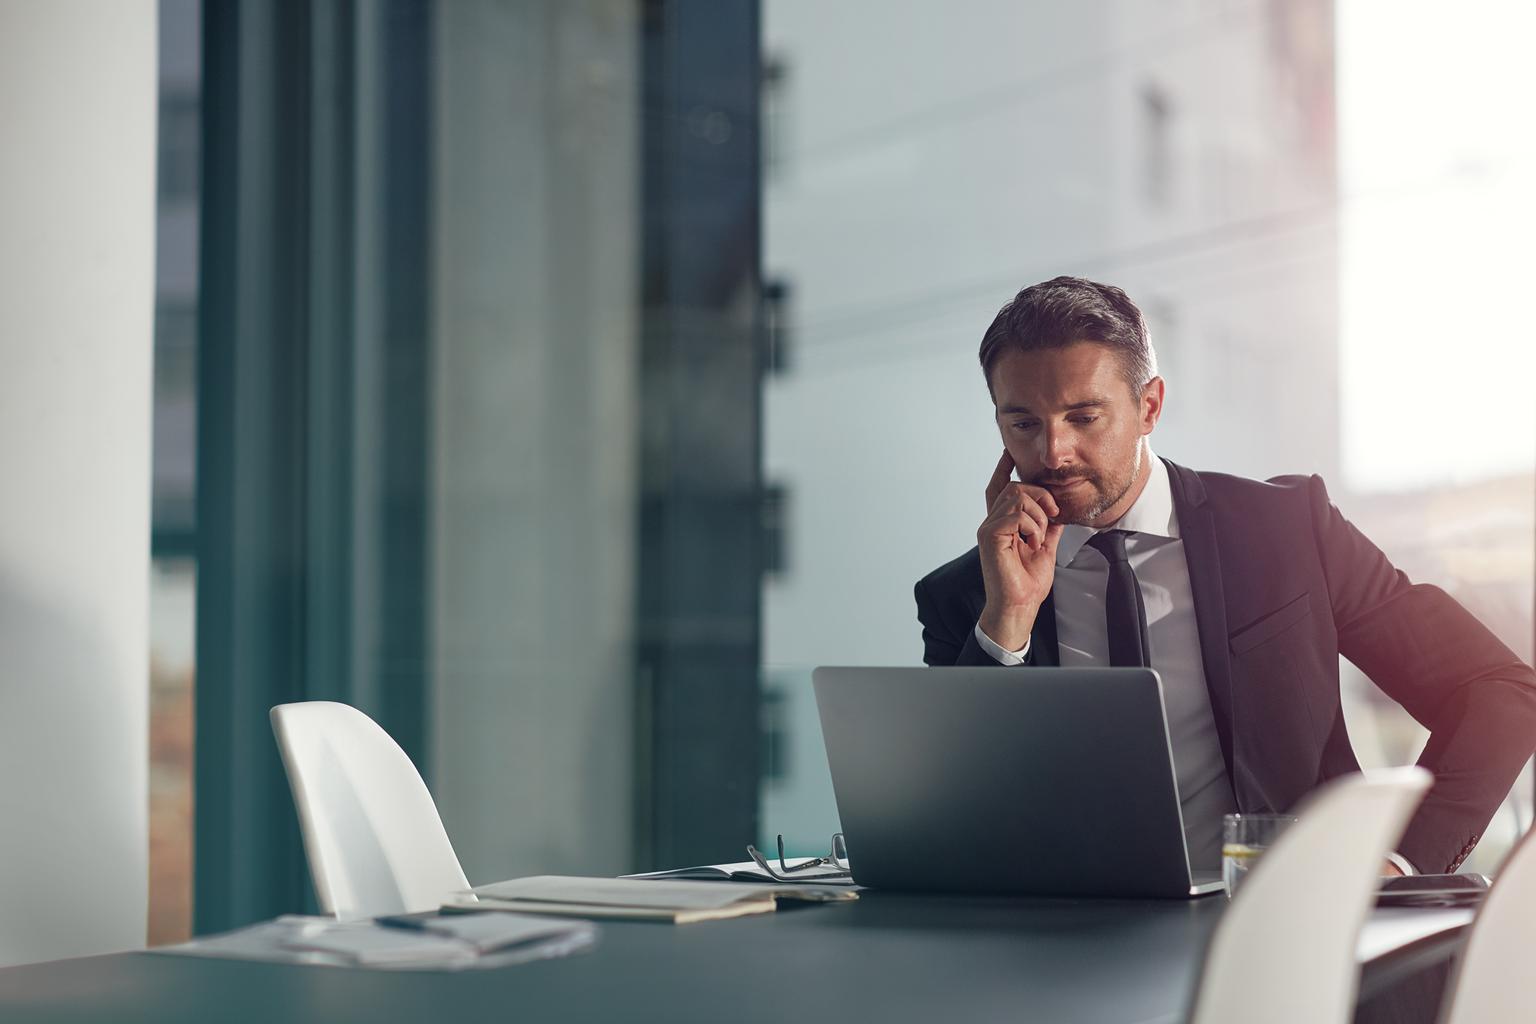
173,494
1478,542
924,165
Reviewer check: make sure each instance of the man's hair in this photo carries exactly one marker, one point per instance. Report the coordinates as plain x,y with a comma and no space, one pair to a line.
1066,310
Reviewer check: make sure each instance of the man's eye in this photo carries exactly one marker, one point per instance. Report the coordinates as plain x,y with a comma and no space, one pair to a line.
1024,425
1084,419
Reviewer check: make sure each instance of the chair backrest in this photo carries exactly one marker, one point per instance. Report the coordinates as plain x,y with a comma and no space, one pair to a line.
371,831
1284,951
1490,982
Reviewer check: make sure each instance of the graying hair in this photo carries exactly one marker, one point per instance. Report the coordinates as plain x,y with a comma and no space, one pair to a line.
1067,310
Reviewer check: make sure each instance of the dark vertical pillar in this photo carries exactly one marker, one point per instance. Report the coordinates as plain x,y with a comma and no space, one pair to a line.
329,447
701,415
286,466
251,600
400,432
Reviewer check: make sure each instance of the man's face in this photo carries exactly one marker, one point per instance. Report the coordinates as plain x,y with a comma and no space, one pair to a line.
1073,425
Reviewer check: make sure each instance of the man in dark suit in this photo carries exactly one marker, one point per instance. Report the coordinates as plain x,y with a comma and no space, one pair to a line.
1241,593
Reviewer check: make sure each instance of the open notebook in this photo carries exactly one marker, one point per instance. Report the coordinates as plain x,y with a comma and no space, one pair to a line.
680,902
747,871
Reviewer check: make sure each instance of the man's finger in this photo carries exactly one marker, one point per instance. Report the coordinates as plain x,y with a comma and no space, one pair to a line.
1015,495
1046,499
1040,495
1001,475
1033,507
1016,500
1007,524
1011,520
1030,529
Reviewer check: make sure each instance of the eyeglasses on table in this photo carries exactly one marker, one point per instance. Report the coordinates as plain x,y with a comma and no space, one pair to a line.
836,862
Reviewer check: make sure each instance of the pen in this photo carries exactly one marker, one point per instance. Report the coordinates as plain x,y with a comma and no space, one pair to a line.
405,922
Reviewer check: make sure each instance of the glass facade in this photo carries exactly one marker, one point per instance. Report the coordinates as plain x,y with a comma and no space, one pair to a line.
478,444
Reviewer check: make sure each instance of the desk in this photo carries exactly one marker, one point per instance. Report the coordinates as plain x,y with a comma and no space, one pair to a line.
888,958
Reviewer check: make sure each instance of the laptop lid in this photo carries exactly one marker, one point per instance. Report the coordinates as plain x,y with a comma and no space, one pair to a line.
1045,782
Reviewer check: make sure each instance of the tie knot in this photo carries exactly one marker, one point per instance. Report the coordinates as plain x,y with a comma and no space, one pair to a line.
1110,544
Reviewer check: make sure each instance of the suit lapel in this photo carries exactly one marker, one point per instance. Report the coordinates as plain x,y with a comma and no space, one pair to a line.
1198,533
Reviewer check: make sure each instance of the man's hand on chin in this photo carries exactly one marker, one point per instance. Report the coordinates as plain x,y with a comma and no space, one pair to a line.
1017,544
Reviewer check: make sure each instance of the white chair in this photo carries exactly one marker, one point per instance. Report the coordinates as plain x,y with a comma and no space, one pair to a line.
1284,951
371,831
1490,983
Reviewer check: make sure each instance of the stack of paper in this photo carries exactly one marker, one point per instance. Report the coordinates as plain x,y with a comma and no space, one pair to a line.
406,937
681,902
454,942
489,933
367,945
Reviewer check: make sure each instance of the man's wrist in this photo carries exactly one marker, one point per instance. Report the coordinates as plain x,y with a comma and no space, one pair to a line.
1009,629
997,653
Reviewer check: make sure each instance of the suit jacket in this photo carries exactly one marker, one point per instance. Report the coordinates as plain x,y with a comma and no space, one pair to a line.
1282,586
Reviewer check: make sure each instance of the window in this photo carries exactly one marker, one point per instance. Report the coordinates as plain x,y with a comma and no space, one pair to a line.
777,325
1293,308
173,578
775,102
1157,146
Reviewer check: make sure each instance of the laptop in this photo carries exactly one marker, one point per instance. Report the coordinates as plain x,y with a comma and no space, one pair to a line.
1045,782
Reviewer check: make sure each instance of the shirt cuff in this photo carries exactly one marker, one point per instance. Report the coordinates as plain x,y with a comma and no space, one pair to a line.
997,653
1402,863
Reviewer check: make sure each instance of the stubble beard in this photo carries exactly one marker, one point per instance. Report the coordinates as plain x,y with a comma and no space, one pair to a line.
1108,493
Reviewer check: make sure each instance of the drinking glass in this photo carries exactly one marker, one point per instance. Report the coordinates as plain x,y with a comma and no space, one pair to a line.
1244,838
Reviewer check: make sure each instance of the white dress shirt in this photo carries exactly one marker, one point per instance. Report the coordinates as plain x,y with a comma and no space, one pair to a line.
1156,555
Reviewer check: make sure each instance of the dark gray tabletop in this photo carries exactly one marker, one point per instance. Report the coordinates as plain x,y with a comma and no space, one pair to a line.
888,957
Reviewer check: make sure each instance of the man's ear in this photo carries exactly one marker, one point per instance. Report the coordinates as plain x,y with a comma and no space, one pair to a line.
1151,404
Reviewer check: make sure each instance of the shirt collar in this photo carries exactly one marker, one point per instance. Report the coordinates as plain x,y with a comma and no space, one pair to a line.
1152,513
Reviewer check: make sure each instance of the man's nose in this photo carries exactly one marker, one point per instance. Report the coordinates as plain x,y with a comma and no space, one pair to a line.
1056,447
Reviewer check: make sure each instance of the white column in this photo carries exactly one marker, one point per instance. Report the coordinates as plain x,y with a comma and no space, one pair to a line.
77,205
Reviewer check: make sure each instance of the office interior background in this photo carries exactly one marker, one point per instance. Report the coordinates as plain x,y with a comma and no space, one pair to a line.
526,373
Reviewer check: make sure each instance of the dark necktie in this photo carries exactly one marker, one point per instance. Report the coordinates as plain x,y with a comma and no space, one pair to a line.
1124,612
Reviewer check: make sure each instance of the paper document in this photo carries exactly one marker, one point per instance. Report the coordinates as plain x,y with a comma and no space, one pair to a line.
485,933
369,945
458,942
608,912
678,901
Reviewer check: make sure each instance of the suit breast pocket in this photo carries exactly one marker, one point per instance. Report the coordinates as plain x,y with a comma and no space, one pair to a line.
1271,625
